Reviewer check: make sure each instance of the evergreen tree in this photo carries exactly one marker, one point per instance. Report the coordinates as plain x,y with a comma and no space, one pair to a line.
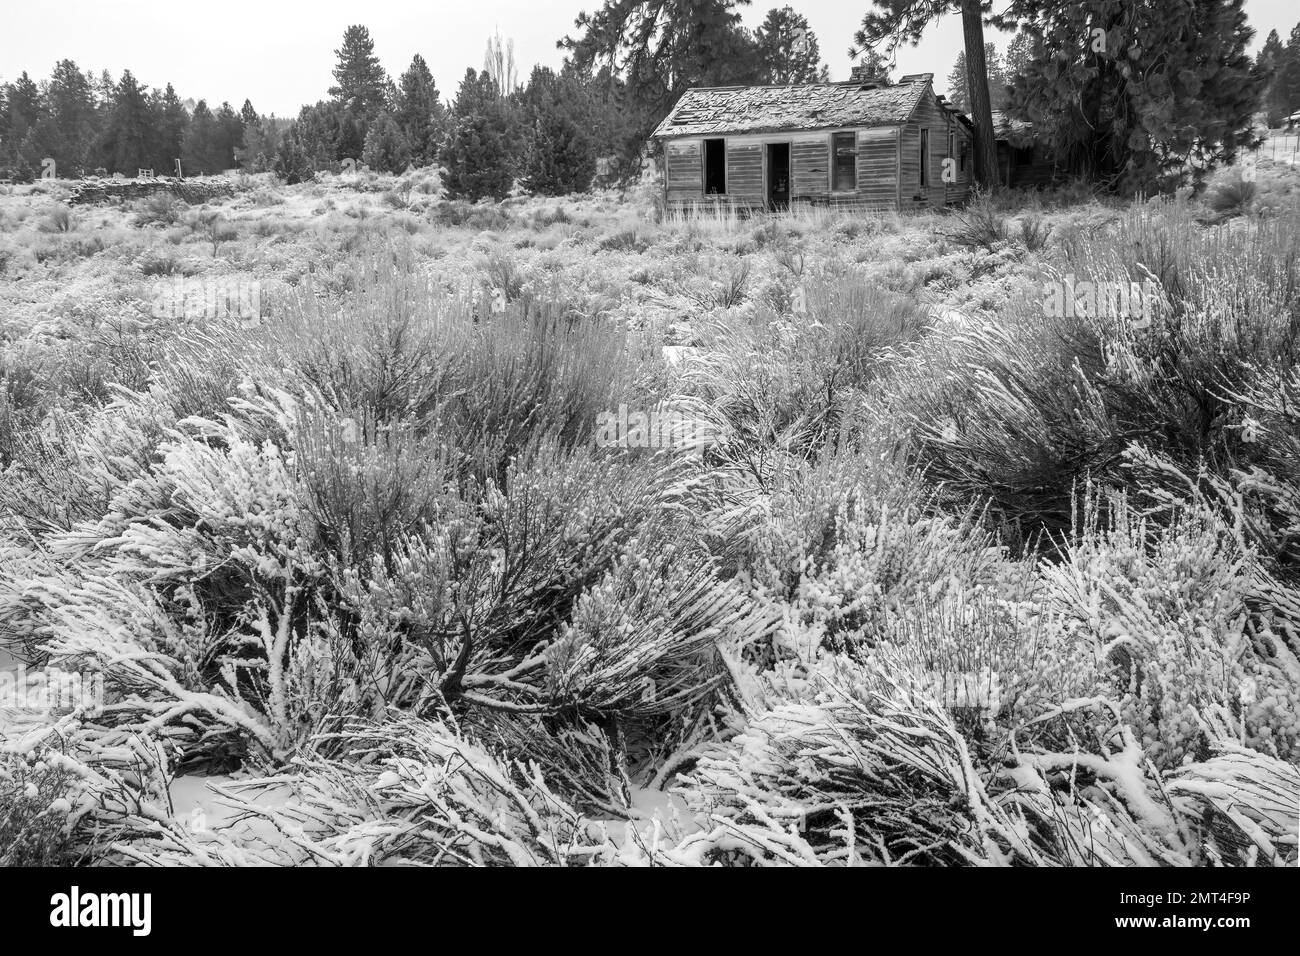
201,151
361,85
23,110
68,131
130,138
317,130
173,122
229,136
651,51
1156,86
420,112
1020,53
897,21
386,149
293,163
560,156
999,94
247,115
1284,89
477,155
787,48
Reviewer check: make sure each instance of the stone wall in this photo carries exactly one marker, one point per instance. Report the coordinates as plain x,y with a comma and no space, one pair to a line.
195,190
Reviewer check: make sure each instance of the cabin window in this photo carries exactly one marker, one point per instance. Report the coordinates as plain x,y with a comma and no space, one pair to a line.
1023,156
715,167
952,147
925,157
845,147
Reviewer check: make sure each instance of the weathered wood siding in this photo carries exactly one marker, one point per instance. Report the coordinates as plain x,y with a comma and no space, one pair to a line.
810,173
745,169
931,116
887,165
878,166
685,170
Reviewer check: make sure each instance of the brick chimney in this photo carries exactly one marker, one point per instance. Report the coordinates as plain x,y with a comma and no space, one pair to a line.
862,73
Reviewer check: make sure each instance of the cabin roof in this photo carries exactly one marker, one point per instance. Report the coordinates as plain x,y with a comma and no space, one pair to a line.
711,111
1013,131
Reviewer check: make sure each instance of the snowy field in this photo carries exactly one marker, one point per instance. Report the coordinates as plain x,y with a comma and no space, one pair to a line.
370,527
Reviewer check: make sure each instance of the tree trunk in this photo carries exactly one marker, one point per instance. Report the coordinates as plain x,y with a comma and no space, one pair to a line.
977,87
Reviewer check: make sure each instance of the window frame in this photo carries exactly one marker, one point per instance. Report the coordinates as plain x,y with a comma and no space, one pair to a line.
721,145
924,151
834,164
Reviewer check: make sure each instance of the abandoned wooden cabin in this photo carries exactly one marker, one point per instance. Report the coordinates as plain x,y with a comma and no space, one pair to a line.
1023,161
866,143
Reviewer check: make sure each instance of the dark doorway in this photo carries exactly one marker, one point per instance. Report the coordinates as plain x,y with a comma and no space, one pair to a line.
778,176
715,167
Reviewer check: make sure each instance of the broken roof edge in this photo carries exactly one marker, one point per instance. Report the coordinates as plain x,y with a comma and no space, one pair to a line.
918,83
752,131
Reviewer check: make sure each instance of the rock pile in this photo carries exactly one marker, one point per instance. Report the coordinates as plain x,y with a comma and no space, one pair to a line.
193,191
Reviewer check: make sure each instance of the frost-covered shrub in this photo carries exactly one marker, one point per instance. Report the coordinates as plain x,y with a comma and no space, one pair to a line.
416,792
34,813
1166,606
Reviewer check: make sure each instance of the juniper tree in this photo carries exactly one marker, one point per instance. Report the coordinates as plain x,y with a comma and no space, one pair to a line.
386,149
477,155
293,163
560,157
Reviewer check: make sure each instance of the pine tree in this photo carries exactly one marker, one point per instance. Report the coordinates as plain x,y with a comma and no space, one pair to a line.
477,155
201,152
787,48
386,149
1270,63
172,125
898,21
230,136
1020,53
654,50
420,112
1158,86
247,115
130,137
361,85
1285,95
68,129
958,83
23,111
317,130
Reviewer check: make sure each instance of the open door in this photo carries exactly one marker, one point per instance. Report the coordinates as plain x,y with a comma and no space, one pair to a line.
778,176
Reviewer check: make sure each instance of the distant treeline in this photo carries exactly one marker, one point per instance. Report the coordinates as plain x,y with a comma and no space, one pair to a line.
86,123
554,132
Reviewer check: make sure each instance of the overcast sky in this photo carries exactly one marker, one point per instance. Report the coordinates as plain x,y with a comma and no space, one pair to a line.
279,55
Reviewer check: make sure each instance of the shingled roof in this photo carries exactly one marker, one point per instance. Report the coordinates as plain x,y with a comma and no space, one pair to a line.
1014,131
720,110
